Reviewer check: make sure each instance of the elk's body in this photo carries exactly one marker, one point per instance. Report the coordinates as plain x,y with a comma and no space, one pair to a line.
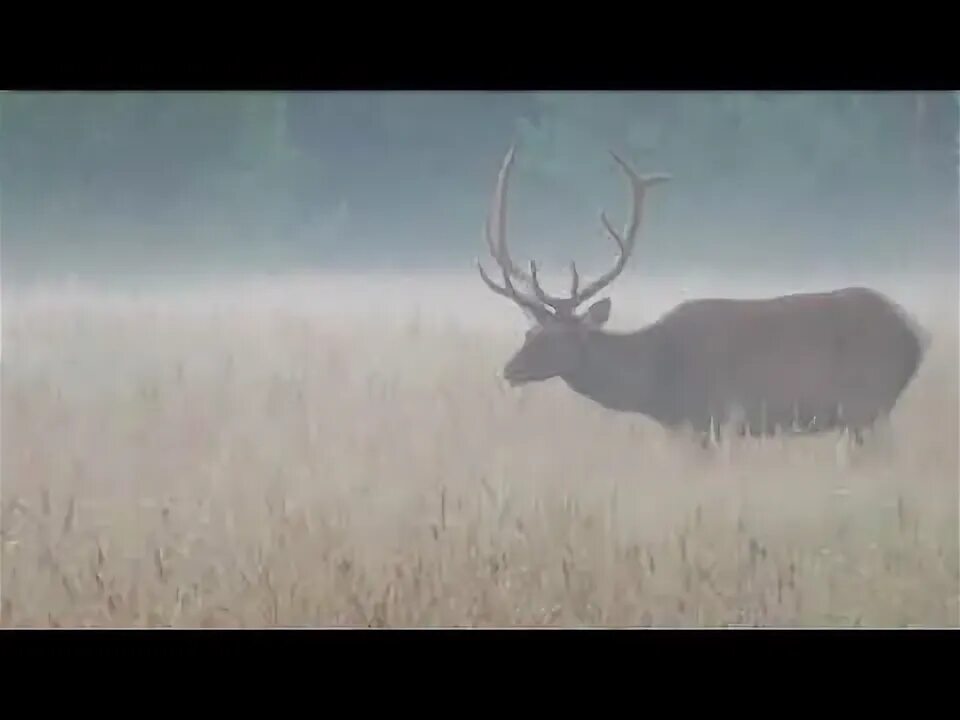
806,362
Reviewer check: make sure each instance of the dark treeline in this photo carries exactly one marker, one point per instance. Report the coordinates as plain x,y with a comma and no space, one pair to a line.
223,182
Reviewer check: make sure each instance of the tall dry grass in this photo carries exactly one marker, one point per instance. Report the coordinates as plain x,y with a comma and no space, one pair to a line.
297,455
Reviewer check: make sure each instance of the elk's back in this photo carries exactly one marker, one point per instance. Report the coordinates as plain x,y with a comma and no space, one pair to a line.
810,360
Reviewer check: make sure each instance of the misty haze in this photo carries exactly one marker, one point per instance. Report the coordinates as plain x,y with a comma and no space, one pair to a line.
252,375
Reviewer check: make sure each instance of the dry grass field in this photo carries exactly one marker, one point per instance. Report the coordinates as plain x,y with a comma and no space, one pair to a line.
340,452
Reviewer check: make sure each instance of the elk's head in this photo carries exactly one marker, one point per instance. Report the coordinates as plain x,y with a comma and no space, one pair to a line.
555,344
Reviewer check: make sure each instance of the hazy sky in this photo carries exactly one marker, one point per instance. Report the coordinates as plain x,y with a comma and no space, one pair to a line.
128,184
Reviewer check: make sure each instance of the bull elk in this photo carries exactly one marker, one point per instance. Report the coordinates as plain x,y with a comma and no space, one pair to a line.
805,362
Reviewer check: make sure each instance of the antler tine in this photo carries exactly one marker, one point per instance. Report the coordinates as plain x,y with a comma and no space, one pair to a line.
497,241
563,306
495,230
574,279
498,246
510,292
497,222
625,242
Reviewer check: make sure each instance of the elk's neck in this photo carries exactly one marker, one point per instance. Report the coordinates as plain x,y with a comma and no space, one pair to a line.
622,371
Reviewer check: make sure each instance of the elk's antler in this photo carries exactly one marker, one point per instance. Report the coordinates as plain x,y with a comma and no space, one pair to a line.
627,242
542,303
496,226
495,230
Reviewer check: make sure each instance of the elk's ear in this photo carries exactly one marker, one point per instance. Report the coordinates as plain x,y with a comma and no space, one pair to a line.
598,313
